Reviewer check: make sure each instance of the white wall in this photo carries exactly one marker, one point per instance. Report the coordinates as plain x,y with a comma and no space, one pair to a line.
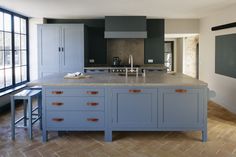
181,26
179,56
224,86
33,46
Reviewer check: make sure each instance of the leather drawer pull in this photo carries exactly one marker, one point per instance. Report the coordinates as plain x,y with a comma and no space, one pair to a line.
135,91
181,91
92,103
57,119
57,103
57,92
92,92
92,119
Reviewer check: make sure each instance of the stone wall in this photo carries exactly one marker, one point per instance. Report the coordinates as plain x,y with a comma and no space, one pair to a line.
190,56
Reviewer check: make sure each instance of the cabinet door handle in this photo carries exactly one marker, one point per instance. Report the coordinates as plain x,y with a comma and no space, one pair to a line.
57,92
58,119
92,103
57,103
92,92
135,91
62,49
92,119
181,91
59,49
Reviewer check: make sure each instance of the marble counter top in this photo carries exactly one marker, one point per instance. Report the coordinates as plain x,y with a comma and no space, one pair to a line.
112,79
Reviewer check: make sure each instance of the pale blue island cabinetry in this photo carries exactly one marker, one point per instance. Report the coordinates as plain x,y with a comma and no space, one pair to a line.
108,102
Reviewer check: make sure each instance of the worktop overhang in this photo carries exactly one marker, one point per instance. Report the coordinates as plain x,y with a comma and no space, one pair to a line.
151,80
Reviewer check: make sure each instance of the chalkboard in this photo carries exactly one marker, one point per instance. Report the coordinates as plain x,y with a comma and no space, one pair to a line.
225,55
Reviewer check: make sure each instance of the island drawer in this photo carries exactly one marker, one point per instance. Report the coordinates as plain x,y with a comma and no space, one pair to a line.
75,119
75,92
75,103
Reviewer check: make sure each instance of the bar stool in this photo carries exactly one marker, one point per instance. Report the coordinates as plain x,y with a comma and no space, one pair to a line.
29,112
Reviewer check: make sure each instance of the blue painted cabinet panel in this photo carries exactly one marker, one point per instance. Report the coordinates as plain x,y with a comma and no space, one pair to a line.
48,44
71,92
73,108
72,55
75,103
134,107
66,120
180,108
60,48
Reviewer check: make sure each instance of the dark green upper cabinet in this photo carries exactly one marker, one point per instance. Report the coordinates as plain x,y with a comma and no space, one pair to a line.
154,44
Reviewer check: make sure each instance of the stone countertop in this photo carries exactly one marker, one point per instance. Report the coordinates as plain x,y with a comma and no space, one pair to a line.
111,79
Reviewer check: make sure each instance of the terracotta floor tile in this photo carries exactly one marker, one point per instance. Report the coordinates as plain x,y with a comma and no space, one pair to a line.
221,142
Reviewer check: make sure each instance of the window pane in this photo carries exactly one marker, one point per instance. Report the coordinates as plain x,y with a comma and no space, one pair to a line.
17,42
16,24
7,22
23,26
8,41
8,77
8,59
2,78
1,41
23,42
1,21
1,60
24,73
17,58
23,58
18,74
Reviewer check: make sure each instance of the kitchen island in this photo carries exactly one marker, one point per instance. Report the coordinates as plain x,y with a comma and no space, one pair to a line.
109,102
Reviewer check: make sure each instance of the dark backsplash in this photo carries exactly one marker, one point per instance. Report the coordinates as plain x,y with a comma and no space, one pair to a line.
122,48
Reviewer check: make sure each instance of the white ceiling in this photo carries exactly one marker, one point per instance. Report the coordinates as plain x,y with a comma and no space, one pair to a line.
101,8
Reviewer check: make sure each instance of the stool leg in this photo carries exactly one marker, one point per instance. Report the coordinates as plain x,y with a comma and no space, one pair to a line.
40,110
25,112
12,118
30,117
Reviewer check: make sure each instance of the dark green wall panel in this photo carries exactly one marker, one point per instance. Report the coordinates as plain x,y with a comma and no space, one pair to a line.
225,55
154,44
97,45
125,23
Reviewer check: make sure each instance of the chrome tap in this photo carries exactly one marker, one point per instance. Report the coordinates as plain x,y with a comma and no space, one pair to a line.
131,62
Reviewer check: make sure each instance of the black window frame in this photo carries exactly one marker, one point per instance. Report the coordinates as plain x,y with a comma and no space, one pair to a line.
14,84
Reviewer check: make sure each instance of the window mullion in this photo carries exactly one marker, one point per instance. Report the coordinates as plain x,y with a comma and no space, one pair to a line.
27,51
4,57
13,50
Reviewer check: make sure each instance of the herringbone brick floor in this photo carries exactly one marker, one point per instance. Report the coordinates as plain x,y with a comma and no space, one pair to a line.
221,142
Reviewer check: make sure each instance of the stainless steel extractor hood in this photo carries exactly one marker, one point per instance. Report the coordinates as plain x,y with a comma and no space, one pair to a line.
125,27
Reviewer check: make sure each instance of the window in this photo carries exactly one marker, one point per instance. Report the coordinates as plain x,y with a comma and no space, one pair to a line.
13,50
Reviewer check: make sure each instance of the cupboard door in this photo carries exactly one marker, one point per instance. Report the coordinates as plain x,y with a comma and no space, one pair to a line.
49,43
134,108
72,56
180,108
